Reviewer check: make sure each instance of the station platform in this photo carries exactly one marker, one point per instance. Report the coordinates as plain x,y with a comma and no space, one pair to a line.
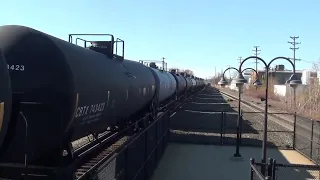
202,144
214,162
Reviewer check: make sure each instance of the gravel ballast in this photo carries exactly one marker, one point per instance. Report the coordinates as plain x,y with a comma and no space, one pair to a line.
188,125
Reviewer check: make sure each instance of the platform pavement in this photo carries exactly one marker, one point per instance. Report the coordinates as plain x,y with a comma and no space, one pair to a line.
194,161
212,162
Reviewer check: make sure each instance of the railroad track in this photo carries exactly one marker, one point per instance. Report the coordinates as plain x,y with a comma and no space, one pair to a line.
285,120
98,159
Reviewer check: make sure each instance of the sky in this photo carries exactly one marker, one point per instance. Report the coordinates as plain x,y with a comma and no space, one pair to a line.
205,36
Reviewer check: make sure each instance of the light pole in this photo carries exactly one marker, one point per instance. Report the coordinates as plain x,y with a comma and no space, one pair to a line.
240,80
293,81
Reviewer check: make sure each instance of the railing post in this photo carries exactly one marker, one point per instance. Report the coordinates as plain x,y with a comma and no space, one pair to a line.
263,168
311,139
145,154
241,128
221,127
269,167
157,140
273,170
294,129
251,170
126,164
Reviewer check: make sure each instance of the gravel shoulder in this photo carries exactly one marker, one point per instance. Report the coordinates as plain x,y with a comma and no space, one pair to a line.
273,105
277,135
205,128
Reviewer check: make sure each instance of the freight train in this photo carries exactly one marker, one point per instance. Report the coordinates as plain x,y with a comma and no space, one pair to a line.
54,92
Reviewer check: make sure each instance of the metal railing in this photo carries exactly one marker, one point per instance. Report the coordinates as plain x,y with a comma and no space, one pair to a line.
279,171
222,127
307,138
280,134
255,171
140,156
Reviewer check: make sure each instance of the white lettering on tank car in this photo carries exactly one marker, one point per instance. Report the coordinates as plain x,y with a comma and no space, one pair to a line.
16,67
89,109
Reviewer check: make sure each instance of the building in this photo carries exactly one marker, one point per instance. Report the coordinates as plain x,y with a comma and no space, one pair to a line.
308,77
246,75
277,75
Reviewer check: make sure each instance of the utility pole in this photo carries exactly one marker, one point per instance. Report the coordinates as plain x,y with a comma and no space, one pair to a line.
163,63
215,75
294,48
256,50
229,73
240,60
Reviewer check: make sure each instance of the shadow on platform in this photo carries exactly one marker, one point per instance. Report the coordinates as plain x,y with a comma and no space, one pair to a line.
193,162
208,118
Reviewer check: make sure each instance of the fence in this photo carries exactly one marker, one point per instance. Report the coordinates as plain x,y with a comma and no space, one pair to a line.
278,136
255,171
251,131
139,158
278,171
307,136
294,171
223,130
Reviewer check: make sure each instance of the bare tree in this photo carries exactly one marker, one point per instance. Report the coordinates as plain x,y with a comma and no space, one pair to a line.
188,71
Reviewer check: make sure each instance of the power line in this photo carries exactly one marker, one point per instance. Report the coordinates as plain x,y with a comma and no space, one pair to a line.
294,48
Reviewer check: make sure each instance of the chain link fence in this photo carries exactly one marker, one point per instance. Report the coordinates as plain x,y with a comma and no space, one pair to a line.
220,128
252,131
307,136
